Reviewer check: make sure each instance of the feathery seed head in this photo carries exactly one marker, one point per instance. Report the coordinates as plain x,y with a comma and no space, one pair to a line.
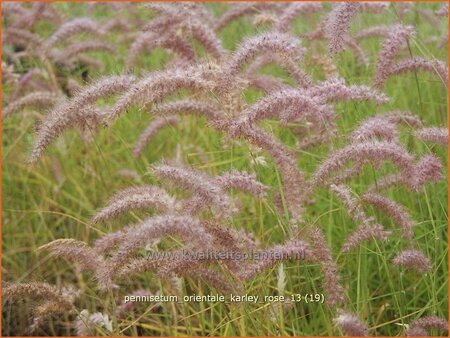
338,23
412,259
350,324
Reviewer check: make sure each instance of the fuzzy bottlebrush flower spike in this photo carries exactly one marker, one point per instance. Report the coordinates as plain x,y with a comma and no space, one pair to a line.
136,198
360,55
157,85
364,233
397,212
151,40
404,118
74,50
428,169
377,127
209,110
285,45
335,90
339,42
134,237
350,324
75,251
178,17
413,259
392,45
49,301
380,31
205,36
37,291
374,6
419,327
22,38
160,25
265,83
34,78
443,11
287,105
414,64
239,10
228,237
69,113
298,75
152,129
117,24
29,17
367,229
72,27
384,127
298,105
289,14
39,99
295,185
321,253
433,135
242,181
337,24
374,151
413,175
209,191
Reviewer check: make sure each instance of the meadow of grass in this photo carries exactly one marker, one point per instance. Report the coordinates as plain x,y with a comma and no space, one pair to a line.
56,198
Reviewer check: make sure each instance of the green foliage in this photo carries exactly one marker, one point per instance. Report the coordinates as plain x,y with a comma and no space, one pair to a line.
40,206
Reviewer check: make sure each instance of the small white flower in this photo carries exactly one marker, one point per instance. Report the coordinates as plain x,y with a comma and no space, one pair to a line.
102,320
259,160
152,246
